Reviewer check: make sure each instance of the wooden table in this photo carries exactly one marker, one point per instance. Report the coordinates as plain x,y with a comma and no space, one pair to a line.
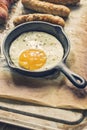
33,116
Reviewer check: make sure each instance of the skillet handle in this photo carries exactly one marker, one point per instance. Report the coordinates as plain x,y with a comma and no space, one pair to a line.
76,80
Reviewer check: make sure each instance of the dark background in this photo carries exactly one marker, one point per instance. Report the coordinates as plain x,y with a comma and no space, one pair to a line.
4,126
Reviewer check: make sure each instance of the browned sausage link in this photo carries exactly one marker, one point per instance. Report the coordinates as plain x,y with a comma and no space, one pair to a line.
46,7
4,7
39,17
63,2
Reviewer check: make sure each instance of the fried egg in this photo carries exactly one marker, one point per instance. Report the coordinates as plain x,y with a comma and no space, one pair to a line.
32,59
36,51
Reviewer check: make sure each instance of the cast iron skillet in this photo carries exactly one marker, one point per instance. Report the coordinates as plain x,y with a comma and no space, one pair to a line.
54,30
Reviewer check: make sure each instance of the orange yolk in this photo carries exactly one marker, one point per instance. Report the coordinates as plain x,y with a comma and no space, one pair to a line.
32,59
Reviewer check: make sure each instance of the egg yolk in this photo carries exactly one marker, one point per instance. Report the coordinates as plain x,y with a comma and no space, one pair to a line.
32,59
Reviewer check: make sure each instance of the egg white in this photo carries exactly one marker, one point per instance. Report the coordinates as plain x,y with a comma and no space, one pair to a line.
37,40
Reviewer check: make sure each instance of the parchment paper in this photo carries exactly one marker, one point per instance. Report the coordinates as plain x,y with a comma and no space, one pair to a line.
57,92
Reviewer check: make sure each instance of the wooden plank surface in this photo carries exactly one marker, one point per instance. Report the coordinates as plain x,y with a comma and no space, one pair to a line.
12,114
76,31
52,92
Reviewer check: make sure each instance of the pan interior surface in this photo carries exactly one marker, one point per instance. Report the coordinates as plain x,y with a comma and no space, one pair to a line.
37,41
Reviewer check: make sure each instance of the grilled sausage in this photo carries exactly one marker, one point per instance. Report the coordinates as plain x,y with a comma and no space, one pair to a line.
4,6
39,17
63,2
46,7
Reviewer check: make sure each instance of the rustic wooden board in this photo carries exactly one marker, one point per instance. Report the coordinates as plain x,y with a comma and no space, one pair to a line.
52,92
10,112
59,92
